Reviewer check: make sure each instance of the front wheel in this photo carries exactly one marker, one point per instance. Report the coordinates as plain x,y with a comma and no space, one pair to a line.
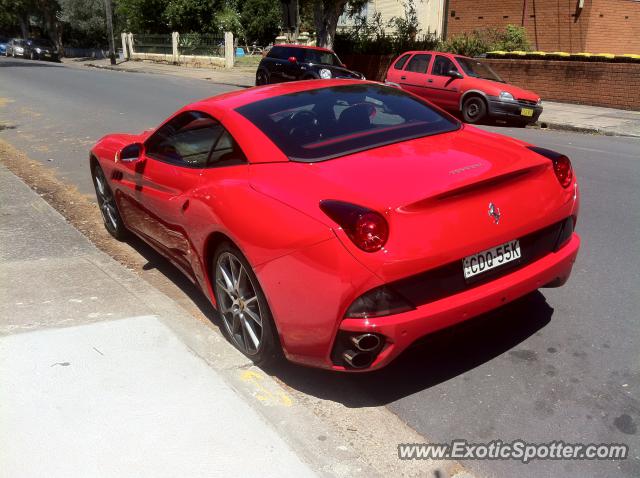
474,110
243,308
108,207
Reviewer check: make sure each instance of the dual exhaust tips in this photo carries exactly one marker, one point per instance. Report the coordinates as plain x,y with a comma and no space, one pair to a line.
365,345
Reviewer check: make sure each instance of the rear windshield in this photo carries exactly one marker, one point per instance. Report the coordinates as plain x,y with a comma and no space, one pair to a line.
320,57
325,123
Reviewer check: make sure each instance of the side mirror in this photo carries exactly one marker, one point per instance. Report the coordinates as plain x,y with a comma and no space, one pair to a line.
130,153
293,59
455,74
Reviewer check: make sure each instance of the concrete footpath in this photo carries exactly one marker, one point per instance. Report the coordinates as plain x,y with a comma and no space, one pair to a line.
102,375
561,116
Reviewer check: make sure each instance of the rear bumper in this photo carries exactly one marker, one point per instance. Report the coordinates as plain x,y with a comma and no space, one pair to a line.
512,110
401,330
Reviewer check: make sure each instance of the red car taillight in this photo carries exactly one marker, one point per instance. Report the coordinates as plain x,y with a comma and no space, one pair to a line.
366,228
561,165
563,170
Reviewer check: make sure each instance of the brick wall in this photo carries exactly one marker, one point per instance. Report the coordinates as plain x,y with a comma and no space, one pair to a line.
602,26
614,85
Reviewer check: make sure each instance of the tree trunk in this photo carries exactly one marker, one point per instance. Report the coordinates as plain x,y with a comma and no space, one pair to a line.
24,25
326,14
49,10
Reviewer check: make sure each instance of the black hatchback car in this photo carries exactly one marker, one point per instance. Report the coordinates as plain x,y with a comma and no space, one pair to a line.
298,62
40,49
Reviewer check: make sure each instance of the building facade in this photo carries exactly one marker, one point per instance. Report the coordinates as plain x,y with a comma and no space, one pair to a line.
573,26
430,13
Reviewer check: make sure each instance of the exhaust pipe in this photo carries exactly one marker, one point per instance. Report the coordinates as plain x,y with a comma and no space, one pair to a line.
366,342
357,359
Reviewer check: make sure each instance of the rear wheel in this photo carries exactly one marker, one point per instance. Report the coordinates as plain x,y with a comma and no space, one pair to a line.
243,308
107,204
474,109
262,78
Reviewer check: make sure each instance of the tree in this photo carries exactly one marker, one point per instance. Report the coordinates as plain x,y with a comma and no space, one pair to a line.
261,20
85,22
326,15
142,16
186,16
17,12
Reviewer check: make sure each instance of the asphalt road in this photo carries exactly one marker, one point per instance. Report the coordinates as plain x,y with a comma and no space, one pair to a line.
560,364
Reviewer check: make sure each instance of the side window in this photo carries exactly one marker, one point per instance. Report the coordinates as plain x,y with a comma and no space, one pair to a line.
401,61
442,66
186,140
275,52
419,63
226,152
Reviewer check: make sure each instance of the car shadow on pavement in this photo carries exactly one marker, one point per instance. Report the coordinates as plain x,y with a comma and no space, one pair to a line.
432,360
171,273
10,62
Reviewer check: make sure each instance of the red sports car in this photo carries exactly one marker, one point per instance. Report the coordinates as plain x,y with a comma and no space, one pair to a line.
460,84
339,221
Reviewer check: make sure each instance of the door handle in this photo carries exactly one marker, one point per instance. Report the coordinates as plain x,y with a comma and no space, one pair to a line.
403,77
429,80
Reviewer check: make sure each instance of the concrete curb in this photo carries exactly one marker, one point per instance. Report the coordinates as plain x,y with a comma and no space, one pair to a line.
125,70
581,129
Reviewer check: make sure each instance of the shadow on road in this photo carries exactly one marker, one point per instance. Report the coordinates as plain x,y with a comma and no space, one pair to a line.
11,62
431,361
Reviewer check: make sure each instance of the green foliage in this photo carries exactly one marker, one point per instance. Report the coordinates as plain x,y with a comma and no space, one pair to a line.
374,36
513,38
142,16
406,27
261,20
478,42
228,20
192,15
85,23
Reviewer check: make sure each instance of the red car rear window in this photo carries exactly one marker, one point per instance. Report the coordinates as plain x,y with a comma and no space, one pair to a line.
324,123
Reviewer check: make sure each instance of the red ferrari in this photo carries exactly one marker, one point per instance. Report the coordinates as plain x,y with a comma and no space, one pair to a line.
338,221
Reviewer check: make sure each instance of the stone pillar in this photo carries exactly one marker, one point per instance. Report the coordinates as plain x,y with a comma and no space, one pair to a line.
130,42
175,37
125,49
228,50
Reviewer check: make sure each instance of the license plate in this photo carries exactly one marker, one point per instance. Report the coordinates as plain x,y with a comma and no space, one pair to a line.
526,112
491,258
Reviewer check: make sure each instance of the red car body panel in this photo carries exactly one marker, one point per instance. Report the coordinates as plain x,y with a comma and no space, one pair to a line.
433,192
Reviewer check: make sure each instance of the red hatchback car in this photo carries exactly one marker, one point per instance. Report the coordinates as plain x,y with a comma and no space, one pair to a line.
340,220
463,85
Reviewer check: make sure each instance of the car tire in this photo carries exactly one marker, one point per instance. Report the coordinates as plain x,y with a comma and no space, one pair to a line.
113,222
262,78
474,109
242,306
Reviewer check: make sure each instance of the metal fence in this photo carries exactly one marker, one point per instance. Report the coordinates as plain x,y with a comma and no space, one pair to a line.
201,44
153,44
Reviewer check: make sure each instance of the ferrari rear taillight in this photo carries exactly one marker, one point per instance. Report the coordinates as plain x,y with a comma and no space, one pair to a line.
366,228
563,170
561,165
